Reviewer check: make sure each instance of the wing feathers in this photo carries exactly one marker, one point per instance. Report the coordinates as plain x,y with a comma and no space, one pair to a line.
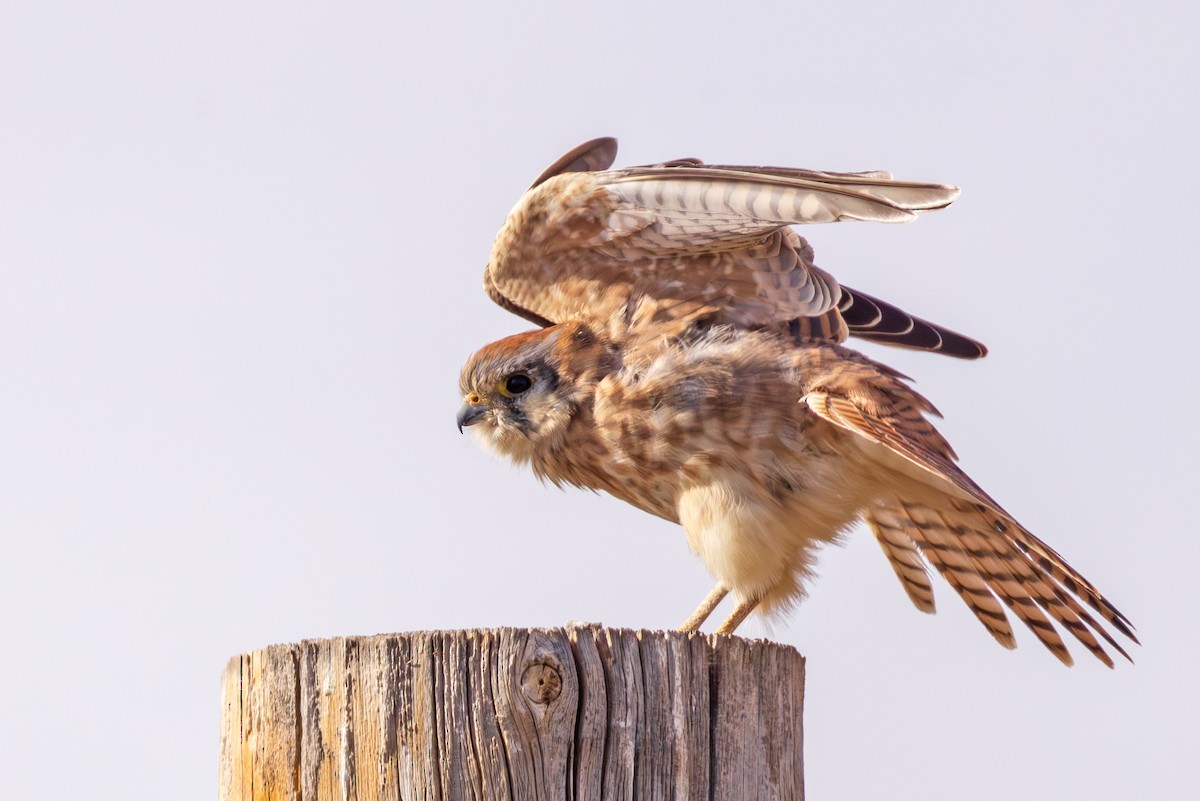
878,321
903,432
745,202
981,551
598,154
586,237
910,195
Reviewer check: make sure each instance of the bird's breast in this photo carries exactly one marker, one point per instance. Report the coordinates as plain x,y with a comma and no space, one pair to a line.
585,458
680,414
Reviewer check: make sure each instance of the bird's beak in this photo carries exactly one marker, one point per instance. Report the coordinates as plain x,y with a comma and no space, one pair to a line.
469,414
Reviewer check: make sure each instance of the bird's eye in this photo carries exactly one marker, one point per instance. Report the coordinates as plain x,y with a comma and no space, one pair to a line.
515,384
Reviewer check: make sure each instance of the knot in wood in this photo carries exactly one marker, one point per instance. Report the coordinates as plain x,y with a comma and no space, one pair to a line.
541,683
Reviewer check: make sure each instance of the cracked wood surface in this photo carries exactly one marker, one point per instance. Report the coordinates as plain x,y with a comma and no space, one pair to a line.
575,714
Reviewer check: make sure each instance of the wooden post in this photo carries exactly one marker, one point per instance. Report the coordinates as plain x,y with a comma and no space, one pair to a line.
580,713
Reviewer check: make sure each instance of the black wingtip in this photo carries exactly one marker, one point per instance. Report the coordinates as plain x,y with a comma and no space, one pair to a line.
877,321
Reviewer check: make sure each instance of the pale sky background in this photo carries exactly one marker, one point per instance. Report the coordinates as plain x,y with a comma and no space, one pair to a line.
240,258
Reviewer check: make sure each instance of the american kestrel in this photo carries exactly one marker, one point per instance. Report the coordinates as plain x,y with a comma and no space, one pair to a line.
689,364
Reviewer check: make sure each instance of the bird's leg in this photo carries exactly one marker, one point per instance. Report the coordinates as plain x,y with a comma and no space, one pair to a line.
706,607
740,613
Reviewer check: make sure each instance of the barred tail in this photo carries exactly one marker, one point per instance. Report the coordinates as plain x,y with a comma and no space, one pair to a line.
989,559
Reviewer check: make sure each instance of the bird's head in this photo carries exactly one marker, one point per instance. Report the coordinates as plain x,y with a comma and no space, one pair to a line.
520,393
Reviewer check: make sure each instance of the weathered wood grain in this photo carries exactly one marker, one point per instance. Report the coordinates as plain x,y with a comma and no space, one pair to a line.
576,714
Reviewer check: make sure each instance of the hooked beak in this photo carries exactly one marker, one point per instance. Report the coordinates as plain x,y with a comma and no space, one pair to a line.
469,414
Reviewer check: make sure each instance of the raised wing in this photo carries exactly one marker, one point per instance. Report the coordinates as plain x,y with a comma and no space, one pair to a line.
598,154
879,321
982,552
717,238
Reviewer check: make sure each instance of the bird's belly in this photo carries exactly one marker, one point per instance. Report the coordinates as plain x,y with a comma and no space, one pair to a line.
760,537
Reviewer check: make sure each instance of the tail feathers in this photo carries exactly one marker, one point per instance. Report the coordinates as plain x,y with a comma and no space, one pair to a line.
938,545
999,565
1070,613
1068,584
906,561
878,321
987,556
1050,562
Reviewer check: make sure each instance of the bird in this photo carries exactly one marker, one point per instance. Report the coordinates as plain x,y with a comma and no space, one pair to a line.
690,362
